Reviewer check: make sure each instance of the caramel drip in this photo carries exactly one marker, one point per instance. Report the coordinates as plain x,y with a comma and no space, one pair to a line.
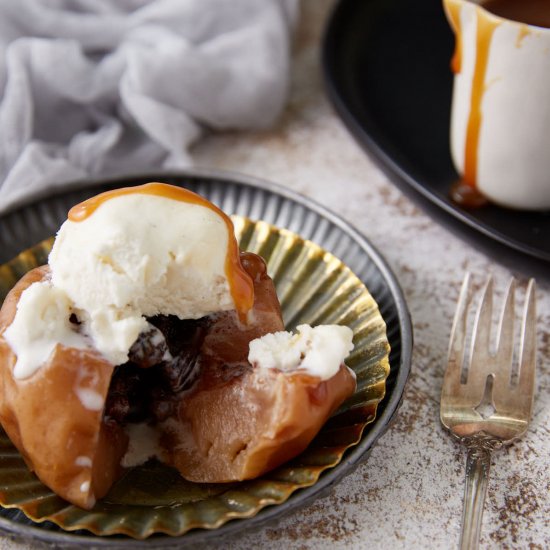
524,31
453,12
469,197
485,29
240,283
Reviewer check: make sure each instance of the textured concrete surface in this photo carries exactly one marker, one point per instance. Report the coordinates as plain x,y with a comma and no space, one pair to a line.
408,494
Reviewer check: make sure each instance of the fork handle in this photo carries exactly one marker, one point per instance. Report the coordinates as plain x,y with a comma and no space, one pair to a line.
478,464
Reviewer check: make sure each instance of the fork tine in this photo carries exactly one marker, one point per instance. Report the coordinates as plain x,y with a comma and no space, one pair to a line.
528,343
458,336
480,358
505,339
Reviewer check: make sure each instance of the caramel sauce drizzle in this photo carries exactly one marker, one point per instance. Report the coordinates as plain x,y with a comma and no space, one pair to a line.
240,282
524,31
467,196
453,11
485,29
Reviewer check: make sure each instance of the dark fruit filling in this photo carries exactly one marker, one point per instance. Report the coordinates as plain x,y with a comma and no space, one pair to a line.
163,362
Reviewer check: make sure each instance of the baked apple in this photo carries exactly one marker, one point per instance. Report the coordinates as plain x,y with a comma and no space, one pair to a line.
149,335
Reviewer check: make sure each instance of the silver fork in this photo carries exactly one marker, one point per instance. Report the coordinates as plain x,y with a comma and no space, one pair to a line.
486,400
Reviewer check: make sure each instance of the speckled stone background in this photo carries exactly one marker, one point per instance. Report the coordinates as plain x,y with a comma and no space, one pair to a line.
408,494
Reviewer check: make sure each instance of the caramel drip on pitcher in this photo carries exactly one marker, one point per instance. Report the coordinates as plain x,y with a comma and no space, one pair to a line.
485,28
524,31
240,282
453,11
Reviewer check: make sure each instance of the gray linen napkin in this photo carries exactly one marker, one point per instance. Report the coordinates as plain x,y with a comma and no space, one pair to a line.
94,87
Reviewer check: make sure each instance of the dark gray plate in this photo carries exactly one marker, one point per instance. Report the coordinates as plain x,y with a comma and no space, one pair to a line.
30,223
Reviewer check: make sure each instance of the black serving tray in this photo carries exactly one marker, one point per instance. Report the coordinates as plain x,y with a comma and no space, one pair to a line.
386,68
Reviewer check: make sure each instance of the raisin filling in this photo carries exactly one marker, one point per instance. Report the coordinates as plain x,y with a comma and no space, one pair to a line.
163,362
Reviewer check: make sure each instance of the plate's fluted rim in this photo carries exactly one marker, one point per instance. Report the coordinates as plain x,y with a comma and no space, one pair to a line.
386,410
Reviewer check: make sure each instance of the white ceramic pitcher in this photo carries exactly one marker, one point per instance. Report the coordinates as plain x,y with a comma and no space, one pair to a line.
500,119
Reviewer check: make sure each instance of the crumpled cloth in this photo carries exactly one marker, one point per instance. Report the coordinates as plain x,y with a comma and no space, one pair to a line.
104,87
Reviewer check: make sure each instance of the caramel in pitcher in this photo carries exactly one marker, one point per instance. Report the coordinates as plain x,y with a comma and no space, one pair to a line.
532,12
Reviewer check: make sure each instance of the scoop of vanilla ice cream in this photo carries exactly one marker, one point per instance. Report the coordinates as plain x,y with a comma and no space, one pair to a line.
319,351
147,254
140,255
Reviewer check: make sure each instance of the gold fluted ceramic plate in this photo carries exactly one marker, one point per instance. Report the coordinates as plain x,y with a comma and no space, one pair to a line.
314,287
